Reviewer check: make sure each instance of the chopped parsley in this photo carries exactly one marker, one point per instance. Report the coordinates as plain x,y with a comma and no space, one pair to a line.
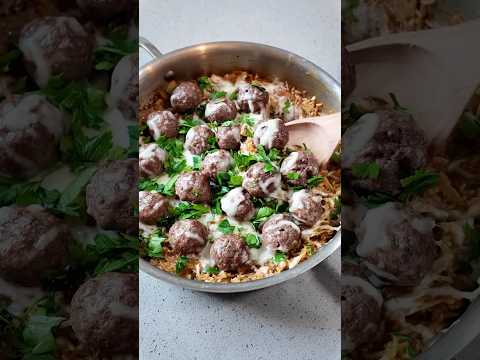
117,46
85,102
269,159
337,210
286,107
186,123
181,264
186,210
225,227
262,215
418,183
197,162
154,244
204,83
293,176
217,95
173,147
253,241
279,257
212,270
314,181
233,96
367,170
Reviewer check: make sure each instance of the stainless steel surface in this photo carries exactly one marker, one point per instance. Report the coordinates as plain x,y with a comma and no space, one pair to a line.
222,57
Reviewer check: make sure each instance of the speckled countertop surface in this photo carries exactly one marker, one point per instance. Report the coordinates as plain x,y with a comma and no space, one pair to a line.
299,319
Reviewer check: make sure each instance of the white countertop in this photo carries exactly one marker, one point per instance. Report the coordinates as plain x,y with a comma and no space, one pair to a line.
299,319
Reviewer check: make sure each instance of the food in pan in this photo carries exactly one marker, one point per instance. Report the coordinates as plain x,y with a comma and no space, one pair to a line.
411,232
224,198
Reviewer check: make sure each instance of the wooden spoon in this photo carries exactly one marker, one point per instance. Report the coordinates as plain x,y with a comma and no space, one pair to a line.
321,134
433,73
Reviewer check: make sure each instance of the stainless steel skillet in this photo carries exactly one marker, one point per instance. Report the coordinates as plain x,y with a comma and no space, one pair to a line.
219,58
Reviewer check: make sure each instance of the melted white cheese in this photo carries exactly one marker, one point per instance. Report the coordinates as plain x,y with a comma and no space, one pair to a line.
357,137
231,200
288,164
266,132
21,297
297,201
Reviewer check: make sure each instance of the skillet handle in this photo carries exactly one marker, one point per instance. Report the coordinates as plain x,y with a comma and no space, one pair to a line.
149,47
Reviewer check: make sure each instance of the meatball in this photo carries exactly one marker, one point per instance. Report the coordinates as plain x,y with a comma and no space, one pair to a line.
151,160
396,244
362,305
187,237
30,130
104,9
216,162
237,204
271,134
220,111
390,139
301,163
259,183
112,196
186,96
252,99
280,233
198,138
33,242
348,74
193,187
228,137
306,207
163,123
104,314
56,45
124,88
152,207
229,252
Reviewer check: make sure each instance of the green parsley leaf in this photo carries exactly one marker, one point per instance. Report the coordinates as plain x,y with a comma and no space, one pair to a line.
235,180
293,176
85,102
262,215
212,270
133,134
217,95
242,161
197,162
279,257
186,210
72,200
181,264
368,170
338,209
310,249
117,46
418,183
174,147
186,123
233,96
253,241
225,227
314,181
286,107
154,246
38,340
204,83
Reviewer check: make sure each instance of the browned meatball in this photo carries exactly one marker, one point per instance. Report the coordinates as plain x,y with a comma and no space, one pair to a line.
301,163
260,183
397,244
124,88
198,139
193,187
151,160
280,233
162,123
252,98
396,144
30,130
216,162
104,314
152,207
112,196
228,137
237,204
33,242
104,9
271,134
229,252
186,96
306,207
220,110
56,45
362,311
187,236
